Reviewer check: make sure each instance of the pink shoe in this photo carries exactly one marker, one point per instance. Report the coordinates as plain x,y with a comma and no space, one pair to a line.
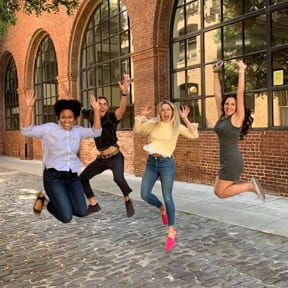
164,219
170,242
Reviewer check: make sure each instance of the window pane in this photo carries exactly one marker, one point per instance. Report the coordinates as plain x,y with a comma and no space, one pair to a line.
256,73
114,42
98,76
233,40
209,80
255,33
280,108
114,26
280,27
178,27
124,42
113,7
90,56
179,55
260,114
193,17
231,9
213,45
123,21
193,50
115,68
106,50
194,83
98,52
106,73
253,5
212,12
179,79
279,65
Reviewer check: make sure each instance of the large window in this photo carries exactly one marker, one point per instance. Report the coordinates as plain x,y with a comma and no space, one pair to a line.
45,82
255,31
11,97
105,57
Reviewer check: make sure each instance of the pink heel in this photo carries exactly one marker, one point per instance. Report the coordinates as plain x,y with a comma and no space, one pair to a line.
164,219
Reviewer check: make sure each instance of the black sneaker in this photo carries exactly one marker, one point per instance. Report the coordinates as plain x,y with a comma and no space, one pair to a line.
129,208
93,208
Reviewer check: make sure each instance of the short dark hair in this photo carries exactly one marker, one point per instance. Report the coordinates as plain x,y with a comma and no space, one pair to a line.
73,105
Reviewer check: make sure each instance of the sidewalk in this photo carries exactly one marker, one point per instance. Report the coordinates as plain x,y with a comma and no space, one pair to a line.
244,210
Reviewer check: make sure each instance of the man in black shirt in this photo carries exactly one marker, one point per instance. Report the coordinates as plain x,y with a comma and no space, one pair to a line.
109,157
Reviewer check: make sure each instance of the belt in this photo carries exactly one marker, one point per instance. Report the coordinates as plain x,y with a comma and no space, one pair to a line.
156,155
100,156
55,170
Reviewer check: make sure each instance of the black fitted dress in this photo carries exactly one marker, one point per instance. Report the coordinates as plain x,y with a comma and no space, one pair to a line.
231,160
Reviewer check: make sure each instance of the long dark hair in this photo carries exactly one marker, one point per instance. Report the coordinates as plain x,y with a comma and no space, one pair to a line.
248,119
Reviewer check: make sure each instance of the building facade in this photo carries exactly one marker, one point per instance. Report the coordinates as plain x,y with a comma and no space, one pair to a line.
168,48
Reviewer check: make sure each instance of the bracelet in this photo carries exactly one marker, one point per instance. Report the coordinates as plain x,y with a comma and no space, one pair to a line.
124,94
241,71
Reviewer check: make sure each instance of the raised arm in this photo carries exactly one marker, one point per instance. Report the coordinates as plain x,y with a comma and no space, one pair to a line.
217,86
184,112
124,88
240,112
29,102
96,116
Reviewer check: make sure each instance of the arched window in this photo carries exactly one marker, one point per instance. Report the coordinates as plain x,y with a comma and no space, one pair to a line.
45,82
11,97
105,56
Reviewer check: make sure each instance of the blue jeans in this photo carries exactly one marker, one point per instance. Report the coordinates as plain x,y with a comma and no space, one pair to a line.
66,195
164,168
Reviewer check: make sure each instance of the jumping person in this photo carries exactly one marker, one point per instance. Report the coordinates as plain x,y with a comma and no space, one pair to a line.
163,132
60,143
109,157
232,125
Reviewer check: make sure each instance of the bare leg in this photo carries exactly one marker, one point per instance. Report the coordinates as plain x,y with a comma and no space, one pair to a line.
225,189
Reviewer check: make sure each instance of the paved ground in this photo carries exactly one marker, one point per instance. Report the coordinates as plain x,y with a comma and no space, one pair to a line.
109,250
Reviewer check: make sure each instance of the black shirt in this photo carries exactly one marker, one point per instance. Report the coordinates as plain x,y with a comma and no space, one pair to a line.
109,124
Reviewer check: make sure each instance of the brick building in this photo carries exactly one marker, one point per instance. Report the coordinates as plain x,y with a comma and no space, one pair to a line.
168,48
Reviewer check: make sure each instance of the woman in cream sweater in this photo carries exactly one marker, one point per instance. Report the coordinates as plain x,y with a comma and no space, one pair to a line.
163,132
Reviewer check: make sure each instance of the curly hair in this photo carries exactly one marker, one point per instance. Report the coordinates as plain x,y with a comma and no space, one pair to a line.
248,119
63,104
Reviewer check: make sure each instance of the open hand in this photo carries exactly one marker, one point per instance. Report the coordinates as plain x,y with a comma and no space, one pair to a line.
146,110
29,97
184,111
94,103
124,85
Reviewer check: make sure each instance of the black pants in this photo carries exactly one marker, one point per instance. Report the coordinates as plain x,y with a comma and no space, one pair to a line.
115,163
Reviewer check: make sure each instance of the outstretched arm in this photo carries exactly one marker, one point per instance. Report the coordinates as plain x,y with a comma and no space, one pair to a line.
184,112
29,102
240,112
96,117
217,86
124,88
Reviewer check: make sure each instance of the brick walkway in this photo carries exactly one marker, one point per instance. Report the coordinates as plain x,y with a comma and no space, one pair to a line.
109,250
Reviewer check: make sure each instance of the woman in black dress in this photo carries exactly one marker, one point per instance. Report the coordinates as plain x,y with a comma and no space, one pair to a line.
233,123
